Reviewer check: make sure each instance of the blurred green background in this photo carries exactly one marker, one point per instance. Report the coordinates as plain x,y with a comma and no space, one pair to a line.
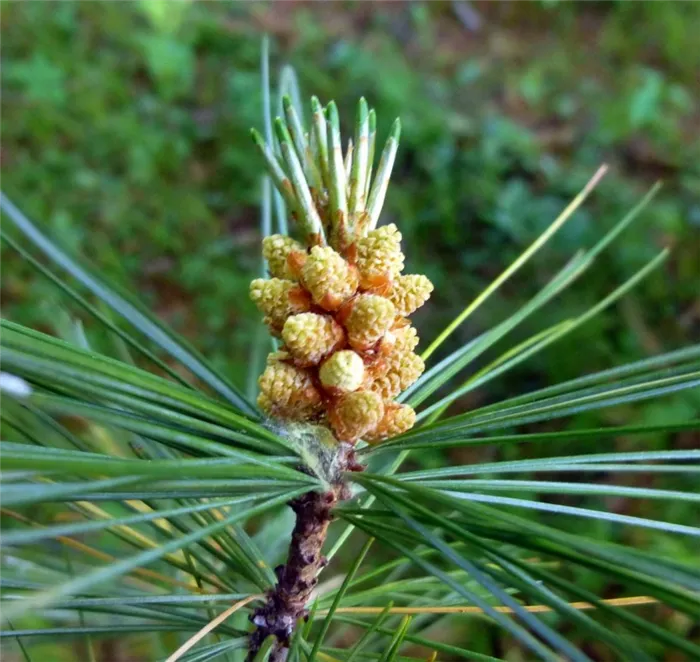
125,131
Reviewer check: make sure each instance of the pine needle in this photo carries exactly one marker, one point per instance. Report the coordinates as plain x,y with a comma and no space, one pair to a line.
103,556
522,259
632,601
211,626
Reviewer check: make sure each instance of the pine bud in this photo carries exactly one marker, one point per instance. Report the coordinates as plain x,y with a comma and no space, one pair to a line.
288,392
309,337
409,293
379,256
371,316
278,299
328,277
343,372
397,420
276,249
356,414
403,370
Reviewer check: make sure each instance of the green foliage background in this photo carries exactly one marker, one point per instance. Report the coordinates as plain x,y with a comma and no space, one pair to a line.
125,130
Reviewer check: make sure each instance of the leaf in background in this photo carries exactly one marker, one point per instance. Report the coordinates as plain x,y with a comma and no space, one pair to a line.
171,64
165,17
42,80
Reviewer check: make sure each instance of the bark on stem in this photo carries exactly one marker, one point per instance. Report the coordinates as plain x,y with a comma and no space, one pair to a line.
286,603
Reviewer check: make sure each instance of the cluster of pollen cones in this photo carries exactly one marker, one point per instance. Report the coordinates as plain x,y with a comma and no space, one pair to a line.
339,306
348,345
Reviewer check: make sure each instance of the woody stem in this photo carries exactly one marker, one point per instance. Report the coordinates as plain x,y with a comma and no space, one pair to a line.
286,603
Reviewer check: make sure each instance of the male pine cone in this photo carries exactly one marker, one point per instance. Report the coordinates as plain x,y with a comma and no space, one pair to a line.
348,351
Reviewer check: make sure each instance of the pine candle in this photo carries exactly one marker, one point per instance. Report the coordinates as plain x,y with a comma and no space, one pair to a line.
337,299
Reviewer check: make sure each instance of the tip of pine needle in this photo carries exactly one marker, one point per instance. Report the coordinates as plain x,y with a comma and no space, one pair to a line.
362,110
257,138
332,111
282,131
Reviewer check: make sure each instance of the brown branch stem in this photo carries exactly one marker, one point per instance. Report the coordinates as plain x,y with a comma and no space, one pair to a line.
296,579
